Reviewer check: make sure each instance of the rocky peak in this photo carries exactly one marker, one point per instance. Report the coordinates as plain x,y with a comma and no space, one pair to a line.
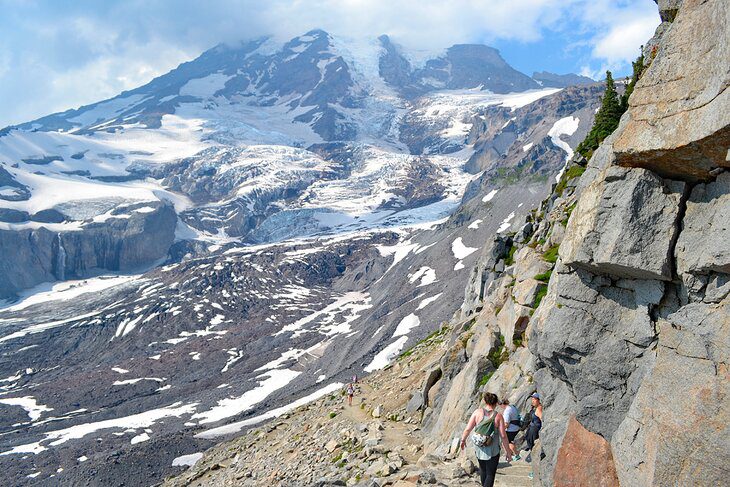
471,66
546,78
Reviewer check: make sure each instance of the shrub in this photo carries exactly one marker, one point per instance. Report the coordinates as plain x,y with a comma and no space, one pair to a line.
498,353
545,276
510,259
551,254
572,173
485,379
333,414
540,294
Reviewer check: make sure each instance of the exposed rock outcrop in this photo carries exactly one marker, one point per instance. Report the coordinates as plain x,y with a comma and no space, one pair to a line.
632,337
678,119
128,240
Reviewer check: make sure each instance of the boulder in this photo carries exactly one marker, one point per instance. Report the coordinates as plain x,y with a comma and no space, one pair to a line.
416,403
529,263
584,458
625,224
699,251
378,411
679,123
331,445
525,292
668,9
512,320
468,466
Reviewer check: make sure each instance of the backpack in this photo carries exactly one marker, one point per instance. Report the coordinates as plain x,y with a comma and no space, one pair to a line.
526,420
483,434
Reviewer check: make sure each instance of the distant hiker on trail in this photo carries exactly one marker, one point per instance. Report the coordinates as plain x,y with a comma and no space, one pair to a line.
350,393
512,419
489,431
533,431
354,379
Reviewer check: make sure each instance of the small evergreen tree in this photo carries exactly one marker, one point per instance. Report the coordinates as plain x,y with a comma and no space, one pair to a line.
638,69
606,119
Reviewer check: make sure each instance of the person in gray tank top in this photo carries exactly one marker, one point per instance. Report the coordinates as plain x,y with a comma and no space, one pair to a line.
488,456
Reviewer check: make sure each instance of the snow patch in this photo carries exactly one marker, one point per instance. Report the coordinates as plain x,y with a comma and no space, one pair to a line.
506,223
406,325
383,358
140,438
187,460
564,126
427,301
238,426
29,403
425,274
274,380
140,420
489,196
460,250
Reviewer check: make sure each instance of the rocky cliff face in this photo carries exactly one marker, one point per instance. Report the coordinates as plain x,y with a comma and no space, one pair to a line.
132,237
632,338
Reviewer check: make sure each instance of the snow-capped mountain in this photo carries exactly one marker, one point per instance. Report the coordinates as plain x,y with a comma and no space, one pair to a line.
246,231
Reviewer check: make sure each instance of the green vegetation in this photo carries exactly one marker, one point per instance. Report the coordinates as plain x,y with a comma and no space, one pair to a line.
498,353
545,276
333,414
434,337
518,340
551,254
612,107
540,294
638,69
485,379
568,212
572,173
510,259
606,119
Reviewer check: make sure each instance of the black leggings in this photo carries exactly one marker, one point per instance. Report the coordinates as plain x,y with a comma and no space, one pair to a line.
488,470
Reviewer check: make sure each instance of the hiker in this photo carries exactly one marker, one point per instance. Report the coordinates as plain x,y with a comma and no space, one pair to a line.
350,393
354,379
533,431
512,419
489,434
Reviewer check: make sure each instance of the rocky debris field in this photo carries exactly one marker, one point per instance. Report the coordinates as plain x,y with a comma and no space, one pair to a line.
376,441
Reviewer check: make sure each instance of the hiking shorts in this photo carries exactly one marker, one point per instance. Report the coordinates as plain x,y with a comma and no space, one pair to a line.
511,435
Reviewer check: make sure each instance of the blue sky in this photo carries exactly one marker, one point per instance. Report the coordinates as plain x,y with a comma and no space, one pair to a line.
56,55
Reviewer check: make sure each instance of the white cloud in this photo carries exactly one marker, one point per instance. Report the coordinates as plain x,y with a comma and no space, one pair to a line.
58,55
621,43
